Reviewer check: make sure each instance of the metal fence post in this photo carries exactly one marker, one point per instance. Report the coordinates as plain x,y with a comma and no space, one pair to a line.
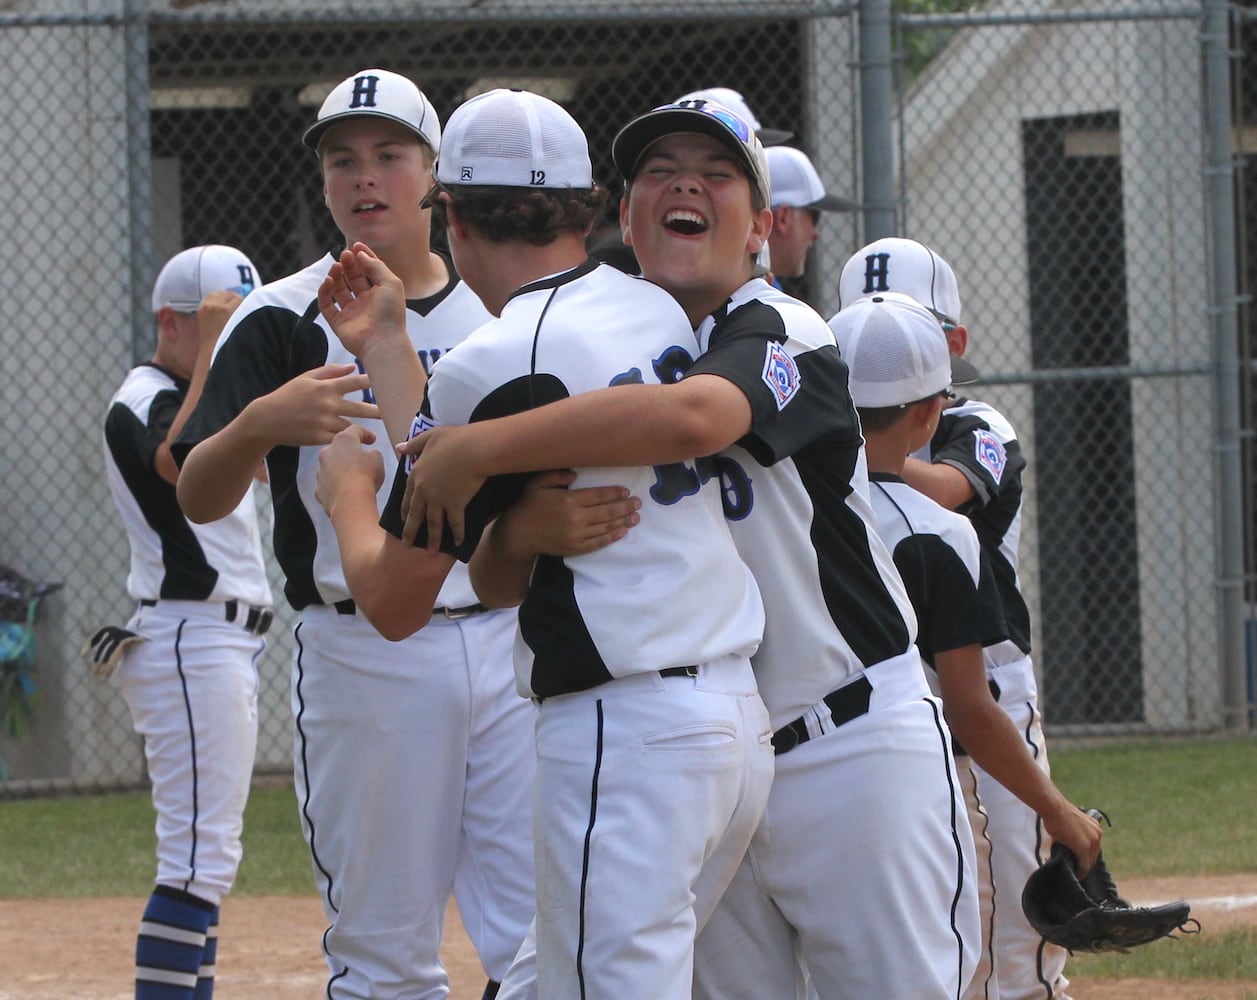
877,116
1223,314
139,175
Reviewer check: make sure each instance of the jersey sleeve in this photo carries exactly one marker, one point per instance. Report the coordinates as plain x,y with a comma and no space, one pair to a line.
498,492
953,609
131,438
790,390
991,464
264,349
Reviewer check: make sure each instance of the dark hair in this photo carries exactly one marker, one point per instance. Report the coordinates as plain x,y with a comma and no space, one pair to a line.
880,418
506,214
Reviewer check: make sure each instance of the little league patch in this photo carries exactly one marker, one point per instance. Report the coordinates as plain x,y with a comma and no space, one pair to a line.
781,375
990,454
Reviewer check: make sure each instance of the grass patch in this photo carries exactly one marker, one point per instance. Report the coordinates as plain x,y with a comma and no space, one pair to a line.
1230,955
105,845
1178,808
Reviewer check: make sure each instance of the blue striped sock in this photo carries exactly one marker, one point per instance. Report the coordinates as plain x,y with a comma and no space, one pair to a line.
205,977
170,944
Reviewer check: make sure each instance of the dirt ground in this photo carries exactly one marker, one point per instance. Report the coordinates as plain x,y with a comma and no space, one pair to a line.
82,949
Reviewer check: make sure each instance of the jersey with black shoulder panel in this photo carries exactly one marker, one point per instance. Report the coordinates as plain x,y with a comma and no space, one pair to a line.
976,438
673,592
276,335
796,494
943,566
172,558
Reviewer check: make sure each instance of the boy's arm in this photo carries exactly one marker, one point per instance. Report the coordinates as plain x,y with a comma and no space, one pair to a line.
630,425
393,584
548,519
211,317
307,410
989,735
946,485
365,305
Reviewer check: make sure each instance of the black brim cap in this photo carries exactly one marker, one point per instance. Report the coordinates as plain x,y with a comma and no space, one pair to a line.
711,120
962,372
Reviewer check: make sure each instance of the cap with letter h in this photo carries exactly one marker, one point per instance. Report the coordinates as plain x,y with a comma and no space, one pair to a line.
704,117
894,264
896,352
193,273
513,138
378,93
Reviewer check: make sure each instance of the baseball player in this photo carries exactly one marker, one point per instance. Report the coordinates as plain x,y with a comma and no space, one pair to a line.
413,760
798,198
613,250
974,465
865,816
652,743
900,378
186,661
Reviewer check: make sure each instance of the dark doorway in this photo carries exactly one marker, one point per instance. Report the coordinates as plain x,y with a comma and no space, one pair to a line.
1089,646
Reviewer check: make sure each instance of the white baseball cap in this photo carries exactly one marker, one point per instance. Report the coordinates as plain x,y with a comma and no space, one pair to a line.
736,103
378,93
896,351
706,118
796,183
514,138
893,264
192,274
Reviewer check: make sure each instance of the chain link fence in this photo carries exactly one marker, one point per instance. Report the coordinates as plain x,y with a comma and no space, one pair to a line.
1054,153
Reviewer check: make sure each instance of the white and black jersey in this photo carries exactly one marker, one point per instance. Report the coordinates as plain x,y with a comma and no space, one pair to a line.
276,335
172,558
673,592
796,494
975,438
947,574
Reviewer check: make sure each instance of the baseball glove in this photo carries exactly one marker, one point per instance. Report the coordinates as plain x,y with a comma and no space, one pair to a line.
1088,915
103,649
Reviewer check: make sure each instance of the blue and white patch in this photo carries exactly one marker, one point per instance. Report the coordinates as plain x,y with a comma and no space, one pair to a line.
781,375
989,452
420,424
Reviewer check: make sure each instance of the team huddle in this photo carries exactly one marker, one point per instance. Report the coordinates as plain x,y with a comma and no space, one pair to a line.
672,630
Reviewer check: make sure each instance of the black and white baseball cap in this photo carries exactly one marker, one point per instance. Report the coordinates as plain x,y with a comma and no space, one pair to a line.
796,183
894,264
735,102
513,138
705,117
192,274
378,93
896,351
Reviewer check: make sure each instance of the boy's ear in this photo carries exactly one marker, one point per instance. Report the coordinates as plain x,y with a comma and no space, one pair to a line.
625,232
761,226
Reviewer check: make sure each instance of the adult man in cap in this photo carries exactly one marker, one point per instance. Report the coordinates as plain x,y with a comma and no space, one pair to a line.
798,198
186,661
413,760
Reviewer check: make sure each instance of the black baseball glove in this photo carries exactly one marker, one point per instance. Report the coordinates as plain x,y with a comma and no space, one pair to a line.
1088,915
